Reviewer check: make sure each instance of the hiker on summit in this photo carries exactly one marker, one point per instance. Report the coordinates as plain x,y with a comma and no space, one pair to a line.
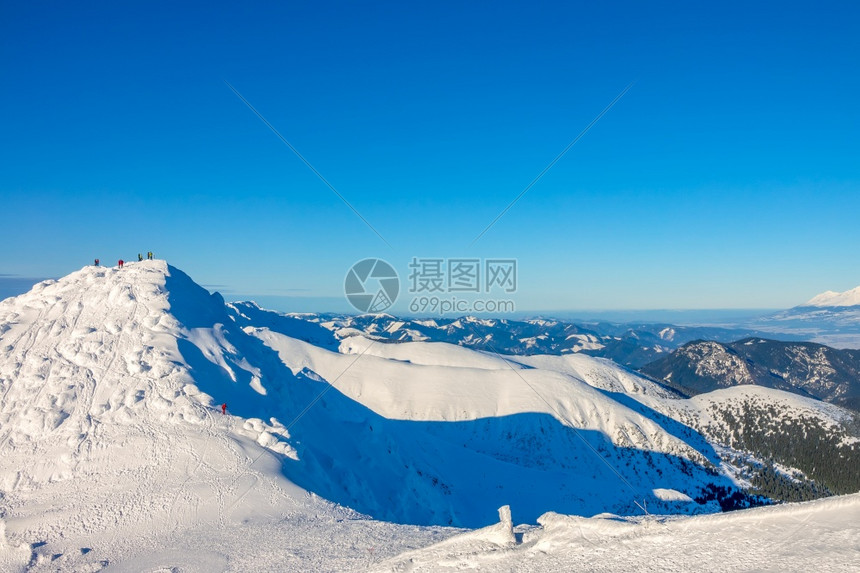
97,262
224,408
149,255
120,263
139,257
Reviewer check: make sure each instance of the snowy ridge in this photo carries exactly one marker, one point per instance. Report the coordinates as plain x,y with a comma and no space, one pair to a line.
426,354
598,372
144,346
114,453
804,368
702,406
512,430
106,438
633,345
471,385
832,298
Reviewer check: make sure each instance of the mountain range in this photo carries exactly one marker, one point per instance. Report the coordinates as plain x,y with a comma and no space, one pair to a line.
629,344
831,318
836,299
805,368
342,446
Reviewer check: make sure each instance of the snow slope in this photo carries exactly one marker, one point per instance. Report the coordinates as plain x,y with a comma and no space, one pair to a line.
699,410
468,439
822,536
439,434
114,454
110,455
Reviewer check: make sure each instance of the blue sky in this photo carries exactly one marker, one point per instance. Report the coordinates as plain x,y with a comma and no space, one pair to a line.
728,176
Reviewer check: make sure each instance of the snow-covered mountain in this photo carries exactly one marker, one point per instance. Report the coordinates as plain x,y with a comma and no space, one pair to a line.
804,368
830,318
629,344
833,299
336,452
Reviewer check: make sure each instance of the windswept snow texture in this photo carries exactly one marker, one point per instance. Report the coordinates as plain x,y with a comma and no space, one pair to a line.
821,536
334,454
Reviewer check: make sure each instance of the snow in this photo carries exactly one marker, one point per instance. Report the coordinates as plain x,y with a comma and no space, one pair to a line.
671,495
342,455
798,405
113,454
597,372
425,353
822,535
832,298
586,342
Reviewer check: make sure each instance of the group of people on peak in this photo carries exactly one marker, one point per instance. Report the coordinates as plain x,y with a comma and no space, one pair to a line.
121,262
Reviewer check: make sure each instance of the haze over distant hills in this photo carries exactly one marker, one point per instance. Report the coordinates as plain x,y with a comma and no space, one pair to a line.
830,318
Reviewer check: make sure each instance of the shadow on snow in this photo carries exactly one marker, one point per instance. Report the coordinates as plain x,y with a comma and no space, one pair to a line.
428,473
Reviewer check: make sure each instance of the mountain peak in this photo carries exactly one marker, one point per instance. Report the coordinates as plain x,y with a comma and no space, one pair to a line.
833,298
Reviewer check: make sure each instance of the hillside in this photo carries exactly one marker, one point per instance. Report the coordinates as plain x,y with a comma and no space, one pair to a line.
804,368
336,452
109,359
113,456
784,446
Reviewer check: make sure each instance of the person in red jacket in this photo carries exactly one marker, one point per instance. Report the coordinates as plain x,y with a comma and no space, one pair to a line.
224,408
120,263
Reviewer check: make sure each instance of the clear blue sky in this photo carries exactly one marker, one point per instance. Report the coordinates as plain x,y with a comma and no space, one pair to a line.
727,177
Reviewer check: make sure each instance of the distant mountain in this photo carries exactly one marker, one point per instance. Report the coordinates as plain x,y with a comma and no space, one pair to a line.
831,318
833,299
631,344
804,368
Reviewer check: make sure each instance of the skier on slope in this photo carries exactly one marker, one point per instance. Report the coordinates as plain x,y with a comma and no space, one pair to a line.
224,408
